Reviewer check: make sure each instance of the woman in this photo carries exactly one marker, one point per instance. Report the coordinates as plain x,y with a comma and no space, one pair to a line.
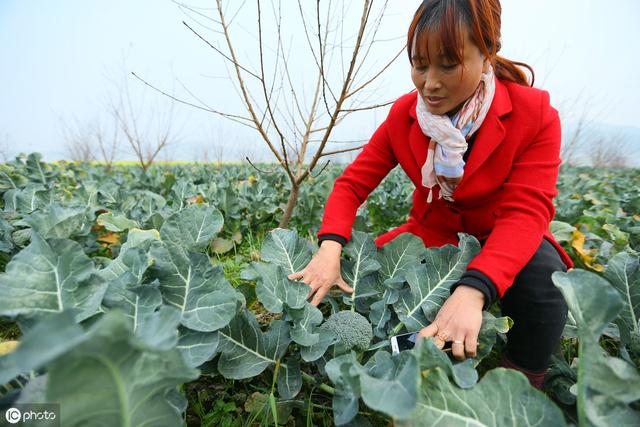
501,191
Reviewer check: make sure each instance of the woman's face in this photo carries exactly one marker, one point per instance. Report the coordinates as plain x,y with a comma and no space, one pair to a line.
441,82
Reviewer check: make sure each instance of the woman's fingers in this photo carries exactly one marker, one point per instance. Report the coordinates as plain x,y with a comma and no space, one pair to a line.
322,291
428,332
312,290
296,275
319,290
462,348
344,286
471,345
457,349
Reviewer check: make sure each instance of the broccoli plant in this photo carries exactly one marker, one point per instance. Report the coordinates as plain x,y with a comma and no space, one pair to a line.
352,329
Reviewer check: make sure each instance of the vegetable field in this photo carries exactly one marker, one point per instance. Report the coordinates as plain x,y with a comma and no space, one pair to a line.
162,299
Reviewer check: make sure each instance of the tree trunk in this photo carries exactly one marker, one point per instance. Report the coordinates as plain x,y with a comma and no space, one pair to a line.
291,203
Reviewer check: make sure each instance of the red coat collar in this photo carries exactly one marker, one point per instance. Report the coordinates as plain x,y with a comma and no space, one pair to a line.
488,137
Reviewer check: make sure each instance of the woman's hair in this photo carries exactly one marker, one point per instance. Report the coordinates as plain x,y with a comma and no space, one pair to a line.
448,18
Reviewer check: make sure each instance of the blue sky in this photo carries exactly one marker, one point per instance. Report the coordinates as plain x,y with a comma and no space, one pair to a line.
58,58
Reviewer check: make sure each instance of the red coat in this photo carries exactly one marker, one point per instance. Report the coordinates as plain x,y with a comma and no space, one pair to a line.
506,193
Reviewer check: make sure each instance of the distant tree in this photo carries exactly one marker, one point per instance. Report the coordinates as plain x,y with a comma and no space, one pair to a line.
5,149
91,141
108,139
577,111
609,152
148,130
79,142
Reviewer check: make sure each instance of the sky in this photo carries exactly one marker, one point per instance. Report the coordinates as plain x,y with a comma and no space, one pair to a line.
60,60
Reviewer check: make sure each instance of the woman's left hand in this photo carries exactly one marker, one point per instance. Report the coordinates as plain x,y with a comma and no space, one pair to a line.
458,321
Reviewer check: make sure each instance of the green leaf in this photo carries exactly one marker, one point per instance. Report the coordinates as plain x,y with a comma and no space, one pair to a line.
491,326
390,384
28,199
606,385
274,289
197,347
430,283
358,270
429,357
284,248
347,385
562,232
623,271
52,336
289,379
316,351
305,322
206,300
399,256
50,276
143,239
59,221
117,223
502,398
192,228
37,170
246,351
159,329
386,383
10,178
109,380
132,261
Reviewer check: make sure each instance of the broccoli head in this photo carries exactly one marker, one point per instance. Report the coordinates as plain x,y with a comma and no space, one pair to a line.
352,329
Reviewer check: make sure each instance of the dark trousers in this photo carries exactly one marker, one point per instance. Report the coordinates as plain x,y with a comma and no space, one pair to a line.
538,310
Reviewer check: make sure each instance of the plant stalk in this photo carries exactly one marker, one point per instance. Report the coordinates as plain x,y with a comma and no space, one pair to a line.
322,386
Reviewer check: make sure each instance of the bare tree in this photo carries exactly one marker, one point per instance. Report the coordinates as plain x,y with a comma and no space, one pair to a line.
216,146
147,130
79,142
92,141
296,119
5,149
576,111
108,141
609,153
580,112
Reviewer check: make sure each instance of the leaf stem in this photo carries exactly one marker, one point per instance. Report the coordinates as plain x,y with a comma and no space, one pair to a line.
322,386
397,328
275,375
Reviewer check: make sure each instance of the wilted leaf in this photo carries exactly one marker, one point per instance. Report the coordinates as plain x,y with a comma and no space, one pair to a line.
586,255
7,347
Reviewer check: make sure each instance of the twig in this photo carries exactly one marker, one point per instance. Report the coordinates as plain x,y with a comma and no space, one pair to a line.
261,171
346,150
322,170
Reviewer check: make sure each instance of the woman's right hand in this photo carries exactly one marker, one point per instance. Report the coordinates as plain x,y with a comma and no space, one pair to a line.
323,271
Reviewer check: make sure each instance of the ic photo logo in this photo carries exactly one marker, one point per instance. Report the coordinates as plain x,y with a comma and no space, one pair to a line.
41,415
13,415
